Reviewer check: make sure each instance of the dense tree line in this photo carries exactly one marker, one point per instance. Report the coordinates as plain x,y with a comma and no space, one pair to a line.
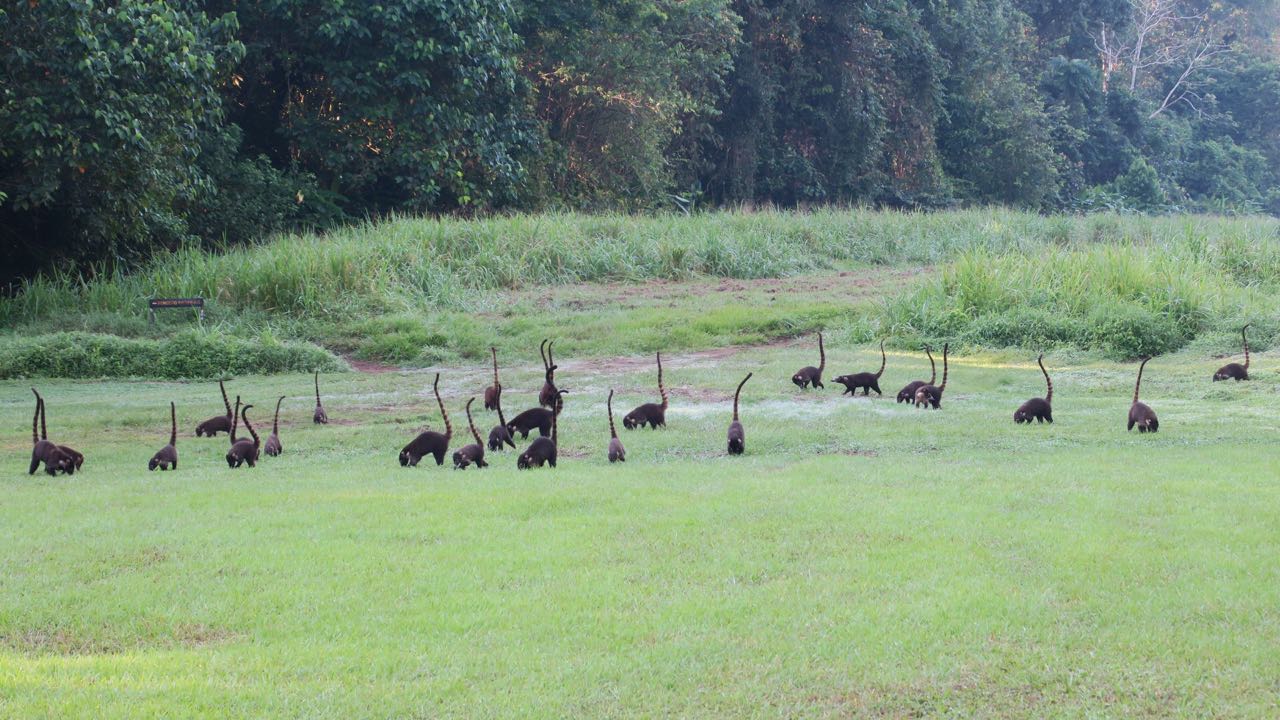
132,125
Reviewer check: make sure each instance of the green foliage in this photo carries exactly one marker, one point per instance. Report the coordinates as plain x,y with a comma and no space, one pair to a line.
1139,187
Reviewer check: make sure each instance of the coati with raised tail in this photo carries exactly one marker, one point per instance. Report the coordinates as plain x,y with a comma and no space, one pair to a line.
547,397
167,456
75,459
1038,409
865,380
908,392
43,451
542,451
807,376
540,418
319,417
1139,413
737,436
273,446
653,414
1236,371
931,395
500,435
493,392
617,453
218,423
470,454
244,451
429,442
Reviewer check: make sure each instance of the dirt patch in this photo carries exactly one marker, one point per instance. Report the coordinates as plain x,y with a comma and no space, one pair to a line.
62,641
369,366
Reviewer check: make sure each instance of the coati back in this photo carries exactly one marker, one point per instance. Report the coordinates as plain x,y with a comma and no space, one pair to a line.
865,380
737,436
931,395
500,435
652,414
1236,371
1139,413
244,451
908,392
167,456
617,453
1038,409
547,397
542,451
43,451
273,447
470,454
492,393
807,376
429,442
218,423
319,417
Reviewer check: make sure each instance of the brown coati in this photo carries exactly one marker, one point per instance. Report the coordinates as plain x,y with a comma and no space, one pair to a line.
218,423
43,451
470,454
319,417
617,453
865,380
75,459
1139,413
494,392
807,376
547,397
540,418
908,393
737,437
167,456
1038,409
653,414
500,435
244,451
542,451
1236,371
931,395
429,442
273,446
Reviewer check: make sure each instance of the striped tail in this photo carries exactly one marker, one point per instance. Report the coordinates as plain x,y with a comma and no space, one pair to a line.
317,387
244,412
613,431
1245,338
882,361
275,424
35,436
933,368
173,424
737,393
235,420
943,386
474,433
822,355
448,428
1048,396
494,350
1137,386
662,389
227,403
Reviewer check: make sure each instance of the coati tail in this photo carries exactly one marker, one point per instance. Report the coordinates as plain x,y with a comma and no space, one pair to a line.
1048,396
1138,385
44,431
613,431
318,388
227,403
275,423
494,350
882,361
822,355
474,433
933,368
1245,338
244,413
501,420
943,386
173,424
738,392
542,351
235,419
662,389
35,436
448,428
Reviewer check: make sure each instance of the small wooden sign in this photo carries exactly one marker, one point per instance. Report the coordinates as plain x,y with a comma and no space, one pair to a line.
162,303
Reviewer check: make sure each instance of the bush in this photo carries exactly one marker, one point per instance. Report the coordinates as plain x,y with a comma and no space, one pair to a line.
1126,331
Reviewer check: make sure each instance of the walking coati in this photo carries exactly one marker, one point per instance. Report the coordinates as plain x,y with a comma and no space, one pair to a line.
540,418
319,417
273,447
932,394
500,435
548,397
865,380
1038,409
1236,371
43,451
494,392
74,459
167,456
617,453
217,423
543,449
653,414
429,442
470,454
244,451
807,376
737,437
1139,413
908,393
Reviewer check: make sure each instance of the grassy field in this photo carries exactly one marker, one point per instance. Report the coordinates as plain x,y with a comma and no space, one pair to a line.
864,559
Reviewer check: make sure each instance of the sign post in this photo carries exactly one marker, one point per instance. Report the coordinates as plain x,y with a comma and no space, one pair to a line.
161,303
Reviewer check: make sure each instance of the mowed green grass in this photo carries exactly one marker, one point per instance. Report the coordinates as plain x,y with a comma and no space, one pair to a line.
863,559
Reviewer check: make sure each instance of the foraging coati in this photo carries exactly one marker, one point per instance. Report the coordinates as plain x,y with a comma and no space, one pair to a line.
43,451
1139,413
1038,409
540,418
470,453
737,437
654,414
244,451
543,449
494,392
867,381
500,434
167,456
75,459
932,394
429,442
319,417
218,423
908,393
547,397
1236,371
273,447
807,376
617,453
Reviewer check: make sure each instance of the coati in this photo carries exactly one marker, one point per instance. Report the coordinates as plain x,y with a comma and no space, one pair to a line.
908,393
492,393
218,423
500,435
932,394
540,418
429,442
74,459
867,381
470,454
617,453
273,447
319,417
1236,371
167,456
1139,413
654,414
43,451
244,451
547,397
807,376
542,450
737,437
1038,409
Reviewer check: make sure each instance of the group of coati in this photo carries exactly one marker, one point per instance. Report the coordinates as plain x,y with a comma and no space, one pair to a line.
541,452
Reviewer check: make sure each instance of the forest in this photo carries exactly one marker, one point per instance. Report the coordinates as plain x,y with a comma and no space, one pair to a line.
133,126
